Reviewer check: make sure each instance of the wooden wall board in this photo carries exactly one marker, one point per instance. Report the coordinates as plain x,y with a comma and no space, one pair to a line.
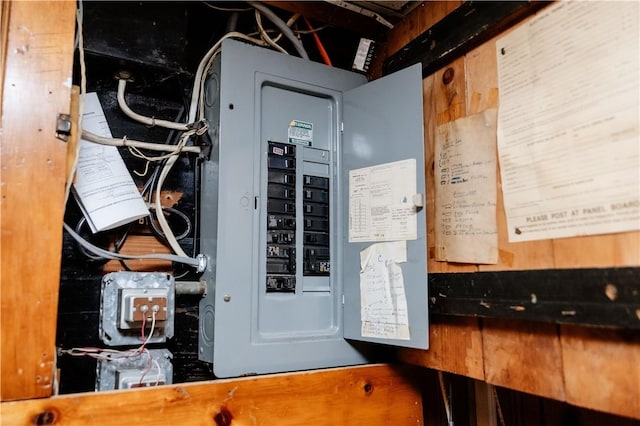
37,85
482,93
601,369
368,395
478,88
621,249
518,354
523,356
455,346
444,101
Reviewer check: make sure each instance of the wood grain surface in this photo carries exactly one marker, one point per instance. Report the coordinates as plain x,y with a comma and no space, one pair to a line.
371,395
37,85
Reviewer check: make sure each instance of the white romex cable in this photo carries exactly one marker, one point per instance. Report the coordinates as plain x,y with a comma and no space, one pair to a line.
92,137
150,121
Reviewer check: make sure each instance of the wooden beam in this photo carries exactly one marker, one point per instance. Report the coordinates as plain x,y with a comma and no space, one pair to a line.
368,395
37,85
331,14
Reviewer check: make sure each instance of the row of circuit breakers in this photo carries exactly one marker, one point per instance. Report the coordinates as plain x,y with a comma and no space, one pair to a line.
283,279
281,221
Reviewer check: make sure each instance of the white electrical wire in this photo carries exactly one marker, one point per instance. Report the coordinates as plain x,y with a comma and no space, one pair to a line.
226,9
111,354
153,328
196,105
104,354
158,369
162,221
173,149
271,42
297,44
200,72
150,121
265,35
197,262
445,398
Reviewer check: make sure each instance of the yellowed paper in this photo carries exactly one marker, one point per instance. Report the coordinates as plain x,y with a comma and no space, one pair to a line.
465,176
568,121
382,295
381,204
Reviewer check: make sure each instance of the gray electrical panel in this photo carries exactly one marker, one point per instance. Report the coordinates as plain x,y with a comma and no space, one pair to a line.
283,280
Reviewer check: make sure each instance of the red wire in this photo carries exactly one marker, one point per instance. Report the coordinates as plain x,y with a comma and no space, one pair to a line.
323,52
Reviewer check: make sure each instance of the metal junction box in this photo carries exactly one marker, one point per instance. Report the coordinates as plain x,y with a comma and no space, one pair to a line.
286,281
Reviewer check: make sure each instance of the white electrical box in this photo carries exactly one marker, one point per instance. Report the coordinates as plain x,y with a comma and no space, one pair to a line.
311,214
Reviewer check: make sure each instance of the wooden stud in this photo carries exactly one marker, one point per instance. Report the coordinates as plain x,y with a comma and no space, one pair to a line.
37,84
369,395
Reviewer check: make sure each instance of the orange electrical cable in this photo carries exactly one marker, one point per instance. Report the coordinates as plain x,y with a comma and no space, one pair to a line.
323,52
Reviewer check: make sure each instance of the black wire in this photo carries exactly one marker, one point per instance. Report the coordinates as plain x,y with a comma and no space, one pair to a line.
118,246
82,250
196,209
158,232
86,253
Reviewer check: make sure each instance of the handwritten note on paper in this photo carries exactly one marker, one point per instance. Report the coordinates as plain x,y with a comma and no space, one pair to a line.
381,202
382,297
465,176
568,122
105,191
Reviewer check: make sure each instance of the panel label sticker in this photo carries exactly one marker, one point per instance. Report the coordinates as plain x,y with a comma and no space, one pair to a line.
300,132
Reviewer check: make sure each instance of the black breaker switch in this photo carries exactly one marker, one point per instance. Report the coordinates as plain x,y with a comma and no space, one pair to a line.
316,226
281,218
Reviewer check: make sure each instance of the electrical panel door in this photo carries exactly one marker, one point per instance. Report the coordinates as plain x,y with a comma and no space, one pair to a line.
273,215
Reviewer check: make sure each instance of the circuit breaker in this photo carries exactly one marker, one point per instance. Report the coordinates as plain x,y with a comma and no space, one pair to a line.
284,277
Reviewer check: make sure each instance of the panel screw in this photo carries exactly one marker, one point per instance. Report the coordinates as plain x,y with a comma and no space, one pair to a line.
227,298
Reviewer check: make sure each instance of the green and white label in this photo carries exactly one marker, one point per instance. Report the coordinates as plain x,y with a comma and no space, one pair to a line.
300,132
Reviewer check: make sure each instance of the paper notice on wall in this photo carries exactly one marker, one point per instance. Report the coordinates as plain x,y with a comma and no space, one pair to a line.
465,176
568,122
383,303
104,189
381,204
